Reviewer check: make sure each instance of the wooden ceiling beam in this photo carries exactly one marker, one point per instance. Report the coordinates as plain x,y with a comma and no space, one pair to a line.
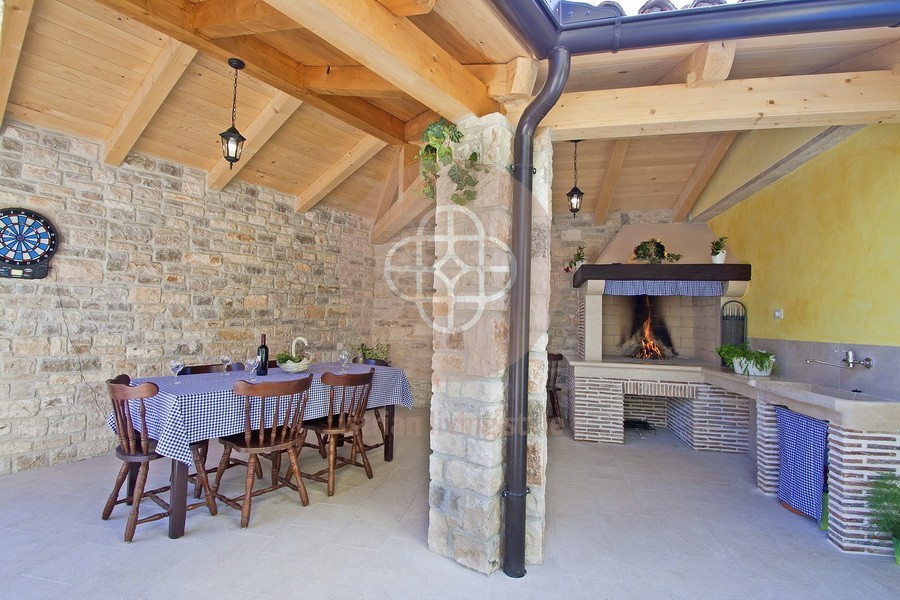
270,119
16,14
263,63
485,28
408,8
734,105
410,205
710,62
334,175
510,82
390,188
610,179
415,127
712,156
350,81
227,18
395,49
170,64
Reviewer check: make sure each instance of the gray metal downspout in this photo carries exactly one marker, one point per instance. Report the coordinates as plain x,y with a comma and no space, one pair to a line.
520,305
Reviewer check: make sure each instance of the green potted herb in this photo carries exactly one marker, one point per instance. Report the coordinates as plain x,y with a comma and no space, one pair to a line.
744,361
372,355
577,260
654,252
884,502
717,250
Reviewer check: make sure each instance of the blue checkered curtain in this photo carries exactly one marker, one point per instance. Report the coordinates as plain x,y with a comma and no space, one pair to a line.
802,453
617,287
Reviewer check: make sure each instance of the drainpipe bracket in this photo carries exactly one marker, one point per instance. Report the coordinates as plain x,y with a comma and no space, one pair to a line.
515,168
508,494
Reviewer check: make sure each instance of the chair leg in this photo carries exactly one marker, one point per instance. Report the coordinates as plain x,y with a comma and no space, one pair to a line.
117,487
223,464
202,451
321,444
554,399
380,422
295,467
332,460
358,441
203,480
131,525
252,462
275,457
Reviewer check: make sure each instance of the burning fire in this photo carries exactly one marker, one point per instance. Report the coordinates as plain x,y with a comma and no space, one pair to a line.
648,348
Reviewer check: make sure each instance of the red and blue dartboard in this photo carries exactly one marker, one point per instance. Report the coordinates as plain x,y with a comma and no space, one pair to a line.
27,242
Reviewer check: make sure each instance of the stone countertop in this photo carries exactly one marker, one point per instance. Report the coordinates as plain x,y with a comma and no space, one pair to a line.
852,410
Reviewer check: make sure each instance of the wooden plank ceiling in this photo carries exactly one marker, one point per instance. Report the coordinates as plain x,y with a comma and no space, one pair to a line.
334,89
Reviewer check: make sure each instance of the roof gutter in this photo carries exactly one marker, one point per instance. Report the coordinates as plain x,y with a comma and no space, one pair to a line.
533,21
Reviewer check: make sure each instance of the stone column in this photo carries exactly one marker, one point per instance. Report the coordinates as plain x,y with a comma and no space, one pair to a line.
473,269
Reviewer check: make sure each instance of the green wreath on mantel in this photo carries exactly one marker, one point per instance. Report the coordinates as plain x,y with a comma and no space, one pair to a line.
654,252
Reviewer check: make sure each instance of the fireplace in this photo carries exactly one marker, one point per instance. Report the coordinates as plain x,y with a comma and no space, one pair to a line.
656,314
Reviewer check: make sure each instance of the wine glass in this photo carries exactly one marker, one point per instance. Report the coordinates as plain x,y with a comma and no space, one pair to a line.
176,365
252,362
344,358
225,360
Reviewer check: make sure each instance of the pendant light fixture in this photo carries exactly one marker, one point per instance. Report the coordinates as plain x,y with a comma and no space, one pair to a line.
232,140
575,195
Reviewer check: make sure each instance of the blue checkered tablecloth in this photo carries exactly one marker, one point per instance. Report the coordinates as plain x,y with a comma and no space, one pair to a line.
617,287
191,408
802,453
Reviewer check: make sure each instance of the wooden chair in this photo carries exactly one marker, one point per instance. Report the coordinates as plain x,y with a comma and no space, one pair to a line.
137,449
215,368
553,361
281,404
347,402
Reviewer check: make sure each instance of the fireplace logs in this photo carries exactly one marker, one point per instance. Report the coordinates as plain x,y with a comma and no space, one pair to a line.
648,340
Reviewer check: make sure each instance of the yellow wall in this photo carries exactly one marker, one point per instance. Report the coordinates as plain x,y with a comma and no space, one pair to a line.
824,243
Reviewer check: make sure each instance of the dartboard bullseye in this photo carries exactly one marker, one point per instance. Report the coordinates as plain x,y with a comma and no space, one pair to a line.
27,242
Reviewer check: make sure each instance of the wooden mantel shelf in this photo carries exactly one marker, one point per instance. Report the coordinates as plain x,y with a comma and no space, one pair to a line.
644,272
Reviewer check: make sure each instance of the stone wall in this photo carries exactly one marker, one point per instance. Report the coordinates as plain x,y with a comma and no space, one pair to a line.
400,322
152,266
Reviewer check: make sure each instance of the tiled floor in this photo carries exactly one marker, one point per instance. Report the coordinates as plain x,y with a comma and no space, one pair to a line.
648,519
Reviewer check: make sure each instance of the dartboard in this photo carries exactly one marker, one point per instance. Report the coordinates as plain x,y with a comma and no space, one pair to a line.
26,238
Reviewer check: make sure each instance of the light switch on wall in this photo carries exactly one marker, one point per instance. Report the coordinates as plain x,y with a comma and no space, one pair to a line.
778,313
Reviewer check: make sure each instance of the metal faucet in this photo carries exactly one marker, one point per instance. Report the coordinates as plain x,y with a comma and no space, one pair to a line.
849,358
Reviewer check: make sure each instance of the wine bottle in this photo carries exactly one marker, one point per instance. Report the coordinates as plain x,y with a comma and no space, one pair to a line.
263,354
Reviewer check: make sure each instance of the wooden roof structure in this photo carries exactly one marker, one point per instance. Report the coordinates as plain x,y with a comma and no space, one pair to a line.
336,93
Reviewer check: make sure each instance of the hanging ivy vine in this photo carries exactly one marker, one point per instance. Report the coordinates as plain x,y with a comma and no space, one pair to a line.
437,153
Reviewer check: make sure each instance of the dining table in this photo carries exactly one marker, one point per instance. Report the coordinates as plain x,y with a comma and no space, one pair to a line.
193,408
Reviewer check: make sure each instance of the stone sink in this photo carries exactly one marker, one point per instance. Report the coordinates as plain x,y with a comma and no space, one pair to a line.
856,410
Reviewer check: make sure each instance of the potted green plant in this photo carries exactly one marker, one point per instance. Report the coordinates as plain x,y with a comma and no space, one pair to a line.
654,252
577,260
717,250
372,355
744,361
884,502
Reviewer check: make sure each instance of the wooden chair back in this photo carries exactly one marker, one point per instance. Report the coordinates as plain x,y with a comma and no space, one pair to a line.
200,369
133,435
348,397
280,409
553,362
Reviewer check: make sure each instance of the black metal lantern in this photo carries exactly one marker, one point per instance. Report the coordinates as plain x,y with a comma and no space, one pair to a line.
232,140
575,195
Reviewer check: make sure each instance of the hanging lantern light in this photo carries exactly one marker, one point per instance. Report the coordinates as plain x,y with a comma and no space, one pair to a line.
232,140
575,195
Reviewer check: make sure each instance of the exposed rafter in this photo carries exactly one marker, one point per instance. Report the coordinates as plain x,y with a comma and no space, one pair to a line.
885,57
16,14
408,8
410,205
764,103
713,154
610,178
710,62
264,63
390,188
171,63
395,49
510,82
227,18
270,119
345,166
412,131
